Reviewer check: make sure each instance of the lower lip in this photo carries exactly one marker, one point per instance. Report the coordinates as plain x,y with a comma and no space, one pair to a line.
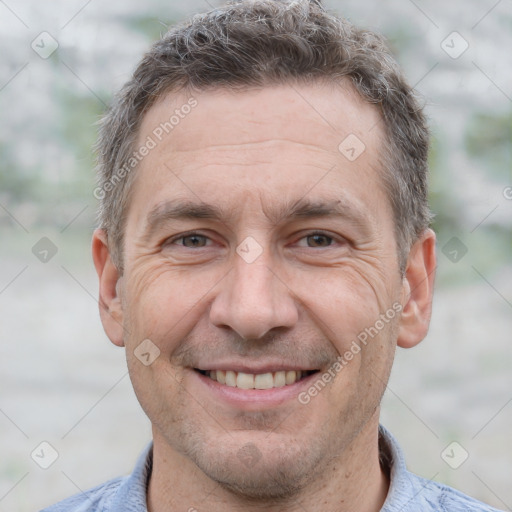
254,398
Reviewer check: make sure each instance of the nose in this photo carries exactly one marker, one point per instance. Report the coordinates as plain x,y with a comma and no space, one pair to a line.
253,300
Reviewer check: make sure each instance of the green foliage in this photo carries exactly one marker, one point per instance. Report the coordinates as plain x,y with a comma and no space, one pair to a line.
399,39
77,132
152,27
77,129
442,201
15,184
489,140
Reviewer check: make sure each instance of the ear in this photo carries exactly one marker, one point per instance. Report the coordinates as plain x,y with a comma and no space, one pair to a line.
111,310
417,290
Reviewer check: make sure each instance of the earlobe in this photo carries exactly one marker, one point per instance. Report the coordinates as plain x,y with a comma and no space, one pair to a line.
418,285
110,304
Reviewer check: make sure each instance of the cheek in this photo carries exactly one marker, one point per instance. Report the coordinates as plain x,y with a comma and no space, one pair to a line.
156,387
354,310
361,373
344,302
164,304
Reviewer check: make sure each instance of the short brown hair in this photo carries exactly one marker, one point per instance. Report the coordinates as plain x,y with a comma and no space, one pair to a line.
256,43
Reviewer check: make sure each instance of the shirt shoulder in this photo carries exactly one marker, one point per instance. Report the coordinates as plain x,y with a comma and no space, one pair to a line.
97,499
412,493
122,494
448,499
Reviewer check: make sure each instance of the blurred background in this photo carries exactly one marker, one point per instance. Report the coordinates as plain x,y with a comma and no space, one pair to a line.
449,401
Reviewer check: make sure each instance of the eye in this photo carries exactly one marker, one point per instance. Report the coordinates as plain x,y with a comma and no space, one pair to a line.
194,240
318,240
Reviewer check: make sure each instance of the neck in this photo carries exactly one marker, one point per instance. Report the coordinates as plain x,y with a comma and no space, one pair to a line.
352,481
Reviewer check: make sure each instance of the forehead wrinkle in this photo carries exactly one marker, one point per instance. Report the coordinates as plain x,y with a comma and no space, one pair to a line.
233,148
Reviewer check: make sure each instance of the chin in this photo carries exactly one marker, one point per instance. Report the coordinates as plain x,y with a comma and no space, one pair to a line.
261,486
275,478
259,468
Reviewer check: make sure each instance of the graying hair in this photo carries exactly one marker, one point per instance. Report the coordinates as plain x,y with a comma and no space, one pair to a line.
257,43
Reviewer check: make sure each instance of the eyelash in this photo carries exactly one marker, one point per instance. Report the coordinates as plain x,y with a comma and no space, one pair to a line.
196,234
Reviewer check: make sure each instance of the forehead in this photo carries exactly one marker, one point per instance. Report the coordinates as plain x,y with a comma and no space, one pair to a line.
322,113
279,143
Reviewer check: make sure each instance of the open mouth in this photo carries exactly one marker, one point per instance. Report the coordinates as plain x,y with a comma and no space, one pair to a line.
256,381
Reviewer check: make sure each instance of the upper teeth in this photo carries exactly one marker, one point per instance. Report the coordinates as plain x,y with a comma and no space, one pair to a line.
258,381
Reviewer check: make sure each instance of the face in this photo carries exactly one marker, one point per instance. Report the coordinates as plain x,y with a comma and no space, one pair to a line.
256,256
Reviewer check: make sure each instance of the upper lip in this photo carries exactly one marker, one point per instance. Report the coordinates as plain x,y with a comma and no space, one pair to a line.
256,367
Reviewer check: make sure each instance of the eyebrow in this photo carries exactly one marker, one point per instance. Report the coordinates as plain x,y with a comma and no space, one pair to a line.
304,208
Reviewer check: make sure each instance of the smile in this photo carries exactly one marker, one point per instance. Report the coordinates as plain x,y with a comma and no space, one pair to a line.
267,380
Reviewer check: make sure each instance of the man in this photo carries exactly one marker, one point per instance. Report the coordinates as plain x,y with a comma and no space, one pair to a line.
264,247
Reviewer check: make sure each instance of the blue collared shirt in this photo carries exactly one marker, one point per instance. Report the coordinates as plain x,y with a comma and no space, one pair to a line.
407,492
